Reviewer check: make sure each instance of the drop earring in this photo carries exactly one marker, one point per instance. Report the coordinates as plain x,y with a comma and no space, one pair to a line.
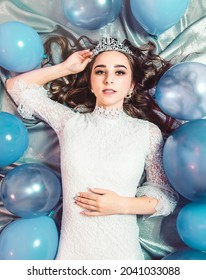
129,94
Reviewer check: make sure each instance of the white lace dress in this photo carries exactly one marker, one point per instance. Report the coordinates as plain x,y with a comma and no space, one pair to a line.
103,149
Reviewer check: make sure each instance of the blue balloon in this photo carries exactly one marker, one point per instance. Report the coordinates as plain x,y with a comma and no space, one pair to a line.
29,239
92,14
181,91
184,160
191,225
159,15
21,48
14,139
186,254
30,190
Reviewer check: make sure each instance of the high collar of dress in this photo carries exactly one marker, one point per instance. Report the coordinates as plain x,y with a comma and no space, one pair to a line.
114,113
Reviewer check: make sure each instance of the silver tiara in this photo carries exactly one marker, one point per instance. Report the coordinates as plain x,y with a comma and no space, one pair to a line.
110,44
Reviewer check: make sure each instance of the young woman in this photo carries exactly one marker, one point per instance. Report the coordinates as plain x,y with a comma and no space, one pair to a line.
106,144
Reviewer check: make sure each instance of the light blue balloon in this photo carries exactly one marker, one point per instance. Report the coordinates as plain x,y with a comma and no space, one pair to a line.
184,160
186,254
21,48
191,225
29,239
181,91
30,190
92,14
14,139
156,16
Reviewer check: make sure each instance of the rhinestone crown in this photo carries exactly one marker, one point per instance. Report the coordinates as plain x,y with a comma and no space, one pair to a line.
110,44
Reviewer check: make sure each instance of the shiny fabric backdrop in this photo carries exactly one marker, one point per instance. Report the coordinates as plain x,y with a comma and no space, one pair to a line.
185,39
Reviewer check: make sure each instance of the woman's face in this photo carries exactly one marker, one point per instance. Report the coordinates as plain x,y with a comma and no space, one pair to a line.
111,79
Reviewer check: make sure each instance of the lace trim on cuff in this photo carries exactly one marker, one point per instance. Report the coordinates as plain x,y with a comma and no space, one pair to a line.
166,196
25,112
27,92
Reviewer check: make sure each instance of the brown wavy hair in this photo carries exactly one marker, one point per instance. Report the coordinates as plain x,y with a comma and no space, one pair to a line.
147,68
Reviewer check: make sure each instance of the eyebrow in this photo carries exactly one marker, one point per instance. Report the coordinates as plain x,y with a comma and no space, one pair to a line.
115,66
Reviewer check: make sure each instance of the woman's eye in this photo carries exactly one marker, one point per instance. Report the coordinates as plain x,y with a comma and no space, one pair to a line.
120,72
99,72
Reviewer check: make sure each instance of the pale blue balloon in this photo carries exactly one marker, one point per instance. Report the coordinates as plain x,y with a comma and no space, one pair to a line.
181,91
29,239
191,225
30,190
21,48
14,139
92,14
156,16
184,160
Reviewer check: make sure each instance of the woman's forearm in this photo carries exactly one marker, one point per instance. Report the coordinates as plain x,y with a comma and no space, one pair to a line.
74,64
99,202
40,76
139,205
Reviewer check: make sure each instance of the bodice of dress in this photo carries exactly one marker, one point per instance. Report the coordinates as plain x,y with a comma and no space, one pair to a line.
105,149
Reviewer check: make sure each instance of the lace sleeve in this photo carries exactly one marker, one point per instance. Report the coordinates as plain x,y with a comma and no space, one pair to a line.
156,184
32,100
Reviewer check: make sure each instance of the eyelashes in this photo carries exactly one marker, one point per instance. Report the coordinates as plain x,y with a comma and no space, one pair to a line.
99,72
118,72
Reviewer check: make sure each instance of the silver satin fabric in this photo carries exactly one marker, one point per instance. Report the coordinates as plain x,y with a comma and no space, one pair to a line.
158,236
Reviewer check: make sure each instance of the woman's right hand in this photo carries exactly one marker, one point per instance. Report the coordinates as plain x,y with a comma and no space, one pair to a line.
77,62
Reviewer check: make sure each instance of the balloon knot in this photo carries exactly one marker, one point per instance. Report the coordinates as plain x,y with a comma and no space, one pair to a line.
51,213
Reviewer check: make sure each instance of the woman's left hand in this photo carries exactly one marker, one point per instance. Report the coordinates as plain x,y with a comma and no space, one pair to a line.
99,202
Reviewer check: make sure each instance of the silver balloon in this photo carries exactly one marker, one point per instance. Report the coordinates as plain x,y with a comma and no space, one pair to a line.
181,91
92,14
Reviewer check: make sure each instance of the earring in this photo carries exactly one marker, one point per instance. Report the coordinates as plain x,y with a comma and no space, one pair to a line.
129,94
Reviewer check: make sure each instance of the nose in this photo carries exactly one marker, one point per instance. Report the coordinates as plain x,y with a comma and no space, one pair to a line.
108,80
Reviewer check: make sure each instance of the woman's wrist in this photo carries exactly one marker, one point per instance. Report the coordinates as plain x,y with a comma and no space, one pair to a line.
138,205
64,69
57,71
